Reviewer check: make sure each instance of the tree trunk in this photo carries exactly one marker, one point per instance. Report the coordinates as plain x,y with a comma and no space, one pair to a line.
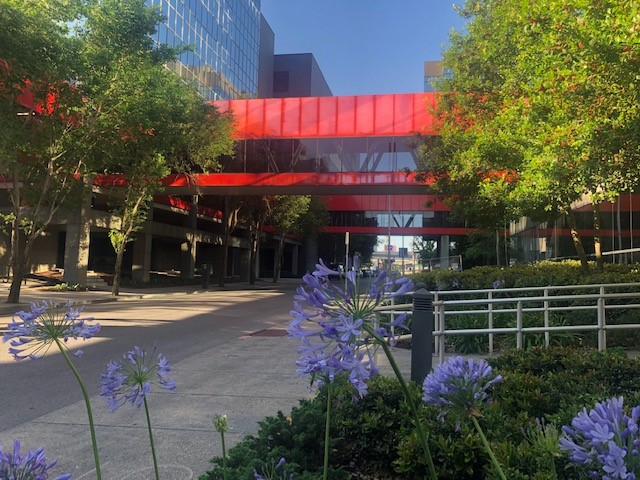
497,247
19,273
255,246
252,259
279,252
597,245
14,291
115,288
225,259
577,241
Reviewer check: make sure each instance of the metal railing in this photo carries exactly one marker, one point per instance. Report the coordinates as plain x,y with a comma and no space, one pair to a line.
492,303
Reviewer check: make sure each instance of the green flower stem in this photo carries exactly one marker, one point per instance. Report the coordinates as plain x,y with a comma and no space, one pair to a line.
327,421
94,443
408,398
494,460
224,456
153,447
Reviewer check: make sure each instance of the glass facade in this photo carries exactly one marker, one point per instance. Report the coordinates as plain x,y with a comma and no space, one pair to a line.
360,154
417,219
224,38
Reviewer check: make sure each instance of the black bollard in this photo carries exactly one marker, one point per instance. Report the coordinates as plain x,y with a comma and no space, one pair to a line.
421,334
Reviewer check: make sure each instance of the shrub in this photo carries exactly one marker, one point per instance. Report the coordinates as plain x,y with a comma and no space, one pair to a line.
374,437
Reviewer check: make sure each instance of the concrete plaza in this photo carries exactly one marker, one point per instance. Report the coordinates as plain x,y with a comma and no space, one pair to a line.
230,356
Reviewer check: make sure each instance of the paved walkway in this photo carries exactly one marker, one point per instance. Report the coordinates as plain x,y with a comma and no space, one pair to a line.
247,377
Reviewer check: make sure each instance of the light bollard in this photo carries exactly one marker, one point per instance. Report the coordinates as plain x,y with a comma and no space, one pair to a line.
421,334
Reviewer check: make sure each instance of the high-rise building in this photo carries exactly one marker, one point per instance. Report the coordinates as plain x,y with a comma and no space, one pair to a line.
224,40
433,70
298,75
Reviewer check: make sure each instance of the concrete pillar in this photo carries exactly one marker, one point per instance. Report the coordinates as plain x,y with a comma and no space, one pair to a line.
188,249
311,253
141,268
245,259
188,258
444,252
76,247
294,260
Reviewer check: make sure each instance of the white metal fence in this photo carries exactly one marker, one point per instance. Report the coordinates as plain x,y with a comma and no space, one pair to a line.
492,302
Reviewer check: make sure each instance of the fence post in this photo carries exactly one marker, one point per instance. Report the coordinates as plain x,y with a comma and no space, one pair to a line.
436,323
421,334
490,307
602,333
547,336
519,327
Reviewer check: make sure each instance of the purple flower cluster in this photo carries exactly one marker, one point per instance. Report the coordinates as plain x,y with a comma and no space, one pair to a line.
130,379
605,440
33,333
336,327
459,384
270,472
32,466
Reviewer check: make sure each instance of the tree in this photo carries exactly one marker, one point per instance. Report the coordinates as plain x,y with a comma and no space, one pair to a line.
147,122
285,214
426,248
256,214
541,109
40,158
233,205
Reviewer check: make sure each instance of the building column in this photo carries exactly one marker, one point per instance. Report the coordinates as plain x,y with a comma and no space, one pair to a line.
444,252
294,260
311,252
188,248
245,259
141,268
76,247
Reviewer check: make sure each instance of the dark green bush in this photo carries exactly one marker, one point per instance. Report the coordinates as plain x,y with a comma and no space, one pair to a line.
374,438
541,274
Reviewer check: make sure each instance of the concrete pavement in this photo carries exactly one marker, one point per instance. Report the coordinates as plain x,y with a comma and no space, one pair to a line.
249,375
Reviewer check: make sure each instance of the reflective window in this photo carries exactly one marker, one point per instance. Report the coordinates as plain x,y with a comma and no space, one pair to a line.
214,28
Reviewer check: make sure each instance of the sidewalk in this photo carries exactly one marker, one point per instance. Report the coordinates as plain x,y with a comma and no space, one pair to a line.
246,375
36,291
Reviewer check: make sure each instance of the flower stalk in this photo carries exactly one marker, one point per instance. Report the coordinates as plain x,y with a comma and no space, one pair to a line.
424,439
327,427
221,424
76,373
488,448
151,442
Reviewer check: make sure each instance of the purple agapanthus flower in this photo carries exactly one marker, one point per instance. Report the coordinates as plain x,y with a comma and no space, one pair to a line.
33,332
130,379
605,440
32,466
336,324
270,472
459,385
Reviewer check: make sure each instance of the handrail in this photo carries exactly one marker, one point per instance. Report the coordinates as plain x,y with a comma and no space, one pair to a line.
546,304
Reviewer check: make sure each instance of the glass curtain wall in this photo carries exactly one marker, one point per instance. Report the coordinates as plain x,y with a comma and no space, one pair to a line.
361,154
224,39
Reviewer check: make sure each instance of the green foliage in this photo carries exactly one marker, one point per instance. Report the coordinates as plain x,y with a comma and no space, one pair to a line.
541,109
541,274
373,437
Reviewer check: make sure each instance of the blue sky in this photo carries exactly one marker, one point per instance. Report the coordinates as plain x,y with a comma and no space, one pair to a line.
365,46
